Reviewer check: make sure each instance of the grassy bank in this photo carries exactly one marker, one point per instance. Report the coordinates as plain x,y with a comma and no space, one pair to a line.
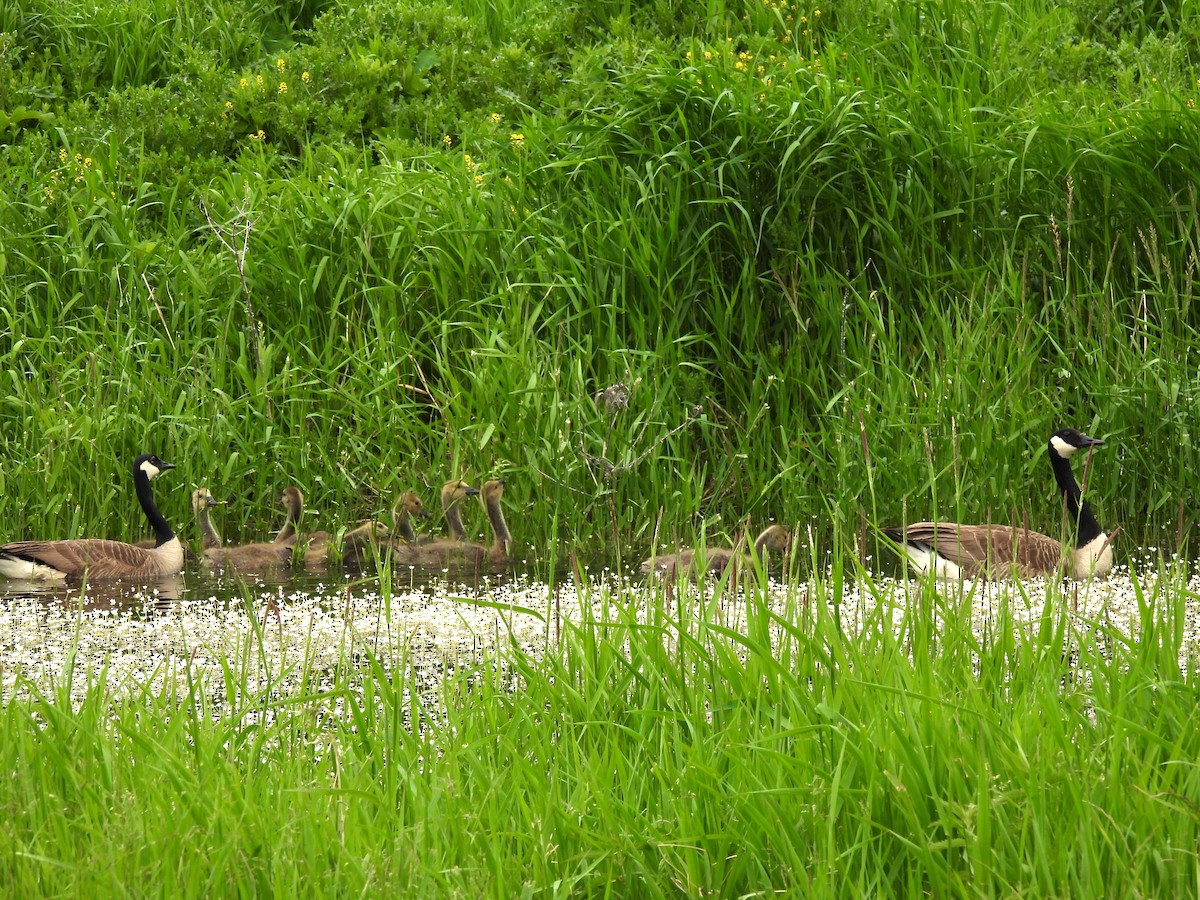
663,746
790,232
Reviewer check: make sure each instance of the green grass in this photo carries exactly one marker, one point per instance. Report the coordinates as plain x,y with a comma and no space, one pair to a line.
951,233
851,268
721,747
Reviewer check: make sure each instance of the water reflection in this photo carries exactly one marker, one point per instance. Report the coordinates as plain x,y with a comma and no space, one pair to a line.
202,584
116,593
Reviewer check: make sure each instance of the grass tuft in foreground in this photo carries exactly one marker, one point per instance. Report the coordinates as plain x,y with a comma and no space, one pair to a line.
662,744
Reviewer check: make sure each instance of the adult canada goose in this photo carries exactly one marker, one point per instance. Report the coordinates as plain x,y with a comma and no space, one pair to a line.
202,502
955,551
407,505
53,560
452,552
261,554
356,544
774,539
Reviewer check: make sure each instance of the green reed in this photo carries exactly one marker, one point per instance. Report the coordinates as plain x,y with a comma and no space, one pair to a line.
729,745
857,275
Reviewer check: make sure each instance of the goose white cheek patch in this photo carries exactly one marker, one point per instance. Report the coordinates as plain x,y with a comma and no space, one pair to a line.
1061,447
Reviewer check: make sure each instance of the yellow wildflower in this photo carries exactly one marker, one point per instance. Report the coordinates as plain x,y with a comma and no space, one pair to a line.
517,138
283,87
281,64
496,118
305,77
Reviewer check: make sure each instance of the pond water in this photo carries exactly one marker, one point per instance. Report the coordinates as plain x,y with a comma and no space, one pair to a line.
285,628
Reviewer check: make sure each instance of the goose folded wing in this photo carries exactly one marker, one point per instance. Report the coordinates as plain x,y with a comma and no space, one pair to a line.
101,558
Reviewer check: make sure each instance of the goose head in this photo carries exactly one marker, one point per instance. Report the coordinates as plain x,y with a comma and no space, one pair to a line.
1066,441
775,539
453,491
409,503
150,465
202,499
292,500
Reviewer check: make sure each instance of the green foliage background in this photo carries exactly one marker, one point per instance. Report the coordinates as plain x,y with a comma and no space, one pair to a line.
852,262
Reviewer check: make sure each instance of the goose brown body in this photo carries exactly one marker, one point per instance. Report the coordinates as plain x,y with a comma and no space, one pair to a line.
97,558
774,539
262,554
454,552
356,544
953,550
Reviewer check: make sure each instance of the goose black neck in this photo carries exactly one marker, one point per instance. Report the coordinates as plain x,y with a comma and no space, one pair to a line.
1080,511
162,531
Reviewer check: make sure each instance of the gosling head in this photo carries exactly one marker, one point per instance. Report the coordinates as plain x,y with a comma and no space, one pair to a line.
1066,441
410,503
202,499
372,530
292,499
455,490
775,539
493,491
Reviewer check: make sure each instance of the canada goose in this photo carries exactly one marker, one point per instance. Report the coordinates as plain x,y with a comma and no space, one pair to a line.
453,551
96,558
996,551
452,492
774,539
356,544
293,502
261,554
202,502
407,504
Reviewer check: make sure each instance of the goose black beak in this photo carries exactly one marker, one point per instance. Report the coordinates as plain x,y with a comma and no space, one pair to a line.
1092,442
471,492
163,466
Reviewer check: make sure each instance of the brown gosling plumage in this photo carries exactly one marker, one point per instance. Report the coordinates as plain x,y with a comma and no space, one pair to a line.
955,551
775,539
356,544
98,559
262,554
407,505
455,552
202,502
293,502
453,492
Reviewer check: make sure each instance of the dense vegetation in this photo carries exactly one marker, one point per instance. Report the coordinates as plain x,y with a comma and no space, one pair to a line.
731,748
663,265
930,231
